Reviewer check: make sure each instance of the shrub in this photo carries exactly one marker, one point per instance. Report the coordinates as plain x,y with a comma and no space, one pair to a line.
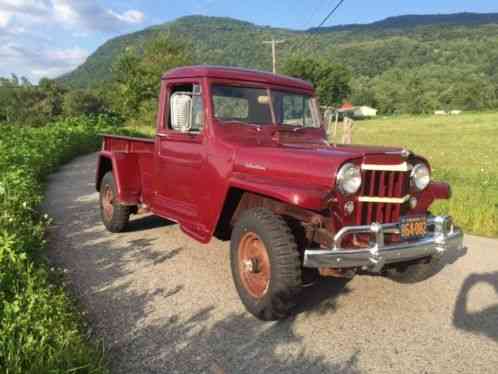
39,330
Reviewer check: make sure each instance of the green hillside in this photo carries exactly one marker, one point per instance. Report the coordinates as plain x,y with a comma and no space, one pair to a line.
459,44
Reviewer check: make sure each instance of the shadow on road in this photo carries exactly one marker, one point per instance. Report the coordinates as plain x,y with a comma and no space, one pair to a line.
483,322
148,222
321,298
236,344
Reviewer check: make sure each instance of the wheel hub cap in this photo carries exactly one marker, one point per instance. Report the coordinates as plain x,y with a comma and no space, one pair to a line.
254,265
107,202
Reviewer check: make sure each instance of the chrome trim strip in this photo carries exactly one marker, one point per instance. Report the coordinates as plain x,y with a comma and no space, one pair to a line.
384,200
374,167
444,237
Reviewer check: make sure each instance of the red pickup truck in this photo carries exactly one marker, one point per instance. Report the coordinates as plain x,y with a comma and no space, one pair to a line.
244,156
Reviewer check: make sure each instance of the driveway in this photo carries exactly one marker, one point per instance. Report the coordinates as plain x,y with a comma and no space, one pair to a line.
163,303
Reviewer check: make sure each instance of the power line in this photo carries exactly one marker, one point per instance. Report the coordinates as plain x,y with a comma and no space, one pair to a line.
309,21
327,17
331,13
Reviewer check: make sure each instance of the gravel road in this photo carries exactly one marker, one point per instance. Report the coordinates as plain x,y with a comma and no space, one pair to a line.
163,303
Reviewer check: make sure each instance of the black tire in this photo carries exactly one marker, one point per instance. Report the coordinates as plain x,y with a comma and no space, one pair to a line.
117,219
414,272
285,279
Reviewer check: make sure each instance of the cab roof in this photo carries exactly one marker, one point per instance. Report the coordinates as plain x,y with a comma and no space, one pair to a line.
237,74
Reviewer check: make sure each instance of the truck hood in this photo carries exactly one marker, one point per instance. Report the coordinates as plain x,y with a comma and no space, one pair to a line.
313,163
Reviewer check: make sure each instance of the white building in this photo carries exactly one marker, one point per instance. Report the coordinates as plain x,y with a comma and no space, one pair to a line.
364,112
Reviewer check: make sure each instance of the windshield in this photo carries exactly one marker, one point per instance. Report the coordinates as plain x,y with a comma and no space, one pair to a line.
264,106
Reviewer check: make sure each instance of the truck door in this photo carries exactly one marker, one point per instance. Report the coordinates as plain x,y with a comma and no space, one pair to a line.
180,159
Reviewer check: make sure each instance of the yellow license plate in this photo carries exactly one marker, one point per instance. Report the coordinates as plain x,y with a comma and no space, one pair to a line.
413,227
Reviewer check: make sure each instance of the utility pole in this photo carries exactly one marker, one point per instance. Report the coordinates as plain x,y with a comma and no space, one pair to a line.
274,43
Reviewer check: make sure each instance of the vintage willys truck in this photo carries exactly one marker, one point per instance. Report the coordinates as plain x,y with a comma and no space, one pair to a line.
243,155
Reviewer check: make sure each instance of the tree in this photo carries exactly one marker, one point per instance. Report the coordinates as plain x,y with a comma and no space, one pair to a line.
51,96
362,92
137,73
82,102
331,80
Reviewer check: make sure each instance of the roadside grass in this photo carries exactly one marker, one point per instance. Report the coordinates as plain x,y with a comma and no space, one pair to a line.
40,328
462,150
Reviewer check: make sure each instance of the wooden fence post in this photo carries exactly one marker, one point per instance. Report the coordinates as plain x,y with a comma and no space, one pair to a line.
347,137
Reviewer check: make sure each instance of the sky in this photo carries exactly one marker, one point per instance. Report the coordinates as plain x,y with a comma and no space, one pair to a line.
47,38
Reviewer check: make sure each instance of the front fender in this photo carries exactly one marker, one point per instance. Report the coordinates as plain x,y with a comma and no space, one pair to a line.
301,195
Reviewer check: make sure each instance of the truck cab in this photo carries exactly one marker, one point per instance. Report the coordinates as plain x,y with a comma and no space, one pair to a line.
244,156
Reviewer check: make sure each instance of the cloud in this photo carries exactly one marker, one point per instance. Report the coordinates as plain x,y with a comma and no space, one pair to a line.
40,62
78,14
131,16
4,18
89,15
32,7
31,29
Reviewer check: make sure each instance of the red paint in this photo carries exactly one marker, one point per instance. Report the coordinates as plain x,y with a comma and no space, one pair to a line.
186,177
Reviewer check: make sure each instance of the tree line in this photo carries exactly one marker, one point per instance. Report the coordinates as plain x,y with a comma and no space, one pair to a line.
394,75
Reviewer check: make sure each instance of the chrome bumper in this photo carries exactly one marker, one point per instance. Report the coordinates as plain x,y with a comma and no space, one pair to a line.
443,236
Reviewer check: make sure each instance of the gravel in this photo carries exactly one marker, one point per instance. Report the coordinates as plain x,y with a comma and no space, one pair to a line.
163,303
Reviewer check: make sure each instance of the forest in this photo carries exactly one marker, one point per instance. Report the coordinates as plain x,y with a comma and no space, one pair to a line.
410,64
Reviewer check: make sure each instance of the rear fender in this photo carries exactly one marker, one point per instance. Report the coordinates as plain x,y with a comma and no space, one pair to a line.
126,172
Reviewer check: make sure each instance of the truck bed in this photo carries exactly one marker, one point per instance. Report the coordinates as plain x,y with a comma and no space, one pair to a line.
127,144
132,160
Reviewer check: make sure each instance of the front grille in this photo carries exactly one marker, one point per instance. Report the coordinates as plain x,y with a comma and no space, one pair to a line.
382,184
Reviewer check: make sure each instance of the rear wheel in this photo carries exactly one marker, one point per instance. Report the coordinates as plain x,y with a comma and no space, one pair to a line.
265,263
115,216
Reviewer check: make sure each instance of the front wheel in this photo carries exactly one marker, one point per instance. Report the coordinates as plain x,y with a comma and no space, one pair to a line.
115,216
265,263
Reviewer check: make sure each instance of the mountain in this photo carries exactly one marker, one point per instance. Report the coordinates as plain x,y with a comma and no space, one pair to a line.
412,21
406,42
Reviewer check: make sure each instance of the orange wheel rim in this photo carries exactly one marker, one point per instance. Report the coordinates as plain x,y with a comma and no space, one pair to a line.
254,265
107,202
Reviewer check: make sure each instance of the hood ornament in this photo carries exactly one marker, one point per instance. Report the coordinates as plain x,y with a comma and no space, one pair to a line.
405,153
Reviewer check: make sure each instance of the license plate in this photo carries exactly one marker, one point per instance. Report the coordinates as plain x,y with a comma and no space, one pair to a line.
413,227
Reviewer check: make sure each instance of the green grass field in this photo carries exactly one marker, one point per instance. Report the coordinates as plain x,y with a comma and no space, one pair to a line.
462,150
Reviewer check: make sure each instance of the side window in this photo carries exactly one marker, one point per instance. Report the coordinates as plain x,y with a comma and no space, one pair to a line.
197,107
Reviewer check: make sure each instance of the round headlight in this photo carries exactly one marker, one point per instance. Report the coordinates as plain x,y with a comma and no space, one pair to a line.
349,179
421,176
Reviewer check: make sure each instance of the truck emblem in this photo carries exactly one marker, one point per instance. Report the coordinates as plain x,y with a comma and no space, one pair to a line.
250,165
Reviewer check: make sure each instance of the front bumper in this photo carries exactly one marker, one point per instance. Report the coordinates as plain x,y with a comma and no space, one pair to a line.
443,236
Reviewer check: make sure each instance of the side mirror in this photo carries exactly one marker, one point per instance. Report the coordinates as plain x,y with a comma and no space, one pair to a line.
181,112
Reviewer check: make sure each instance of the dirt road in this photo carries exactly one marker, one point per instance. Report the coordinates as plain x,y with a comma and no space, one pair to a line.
163,303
